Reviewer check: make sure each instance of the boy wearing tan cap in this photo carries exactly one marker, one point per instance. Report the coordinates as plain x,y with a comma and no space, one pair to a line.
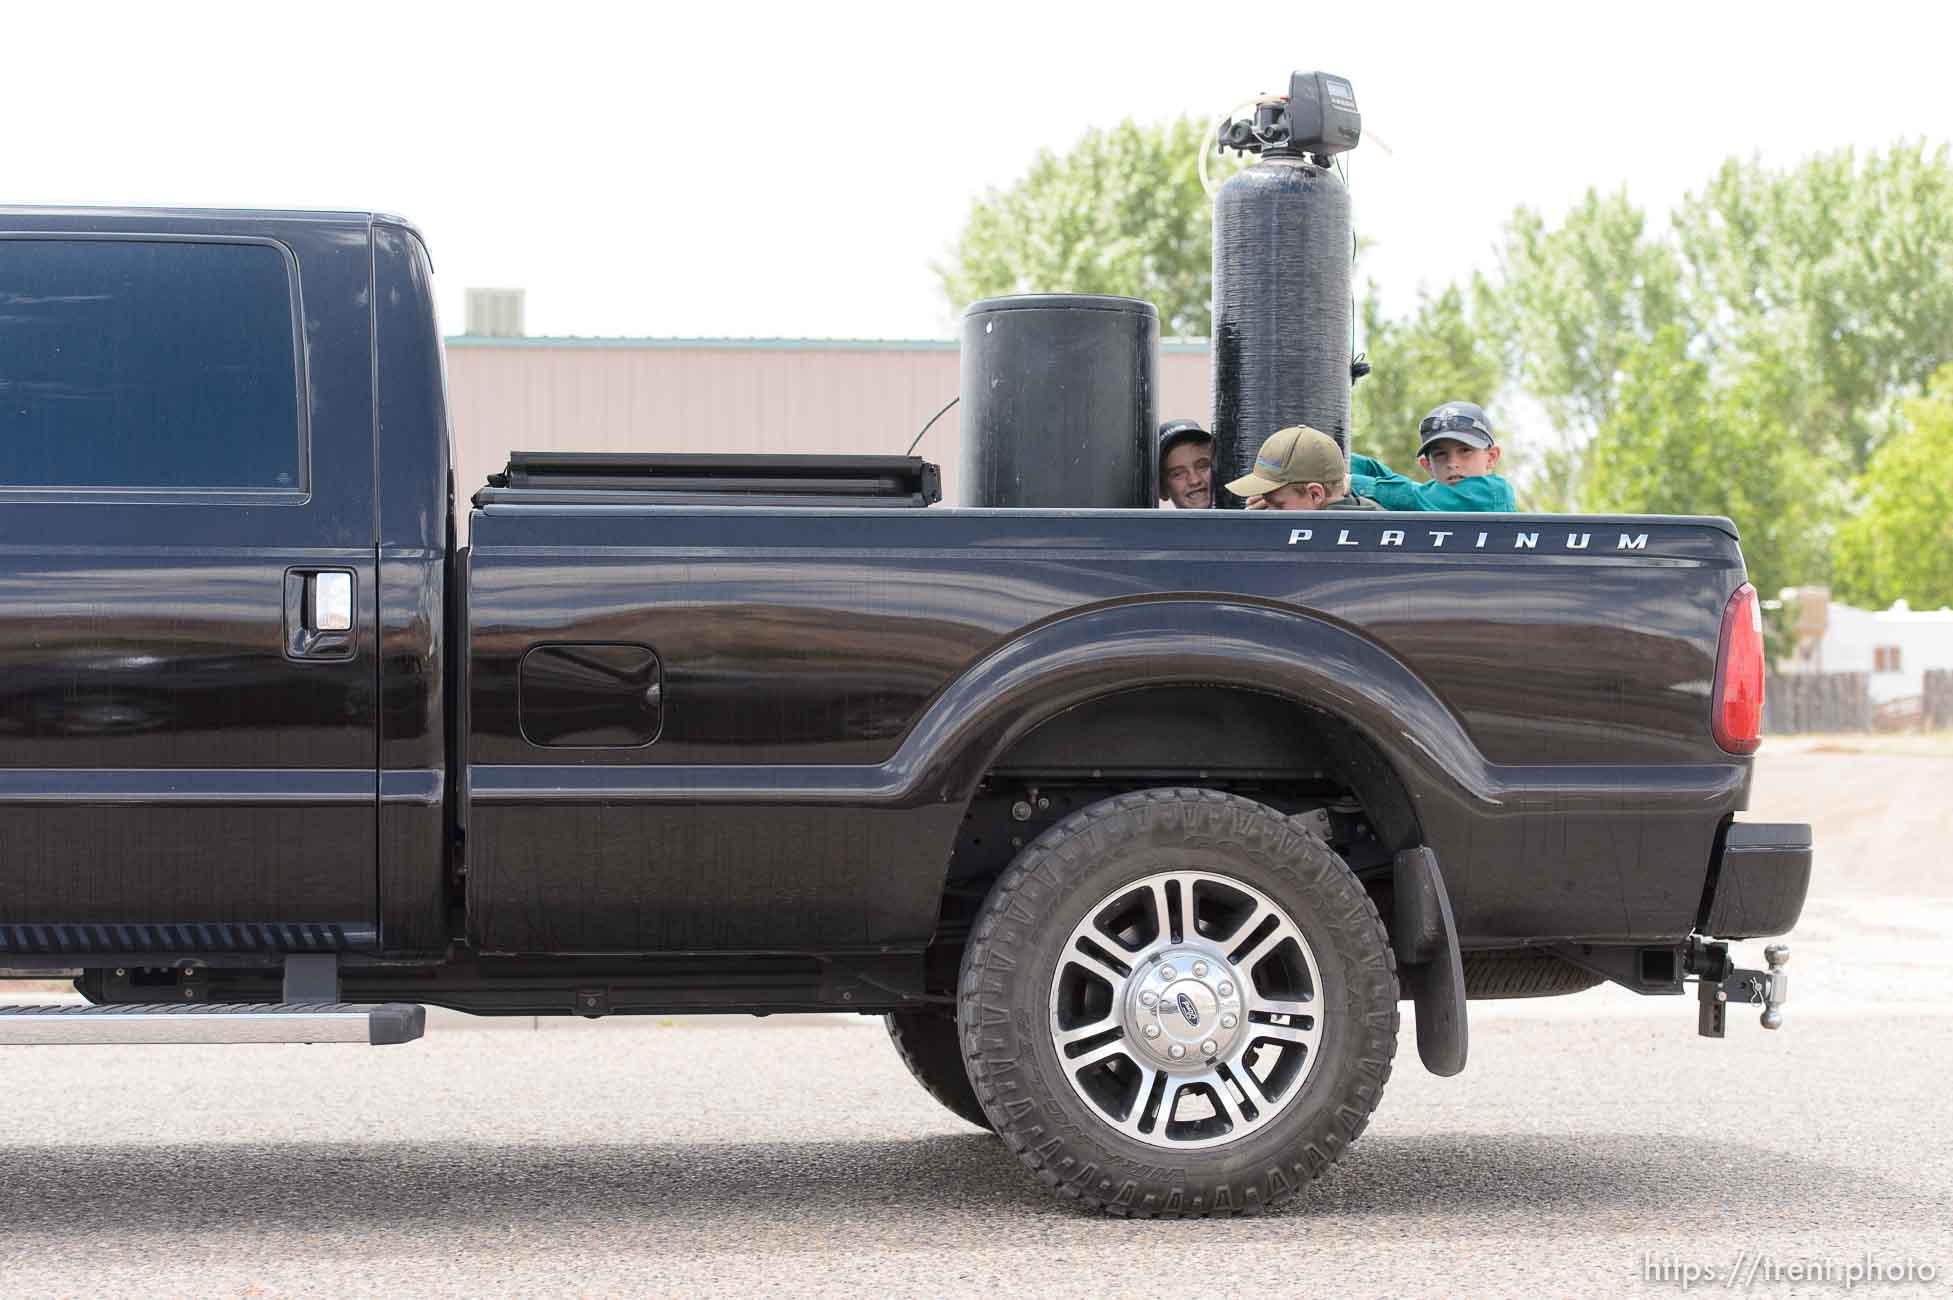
1299,469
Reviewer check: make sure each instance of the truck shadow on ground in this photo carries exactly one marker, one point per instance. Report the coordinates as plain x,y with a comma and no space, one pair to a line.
888,1194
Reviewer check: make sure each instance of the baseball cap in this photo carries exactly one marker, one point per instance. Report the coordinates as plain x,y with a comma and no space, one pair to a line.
1296,455
1459,421
1175,432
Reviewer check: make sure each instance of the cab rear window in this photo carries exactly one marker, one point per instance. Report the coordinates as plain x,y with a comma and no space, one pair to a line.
130,363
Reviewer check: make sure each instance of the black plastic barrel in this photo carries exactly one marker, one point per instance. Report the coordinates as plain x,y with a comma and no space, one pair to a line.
1281,308
1059,401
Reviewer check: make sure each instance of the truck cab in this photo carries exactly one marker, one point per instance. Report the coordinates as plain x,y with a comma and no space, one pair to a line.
226,589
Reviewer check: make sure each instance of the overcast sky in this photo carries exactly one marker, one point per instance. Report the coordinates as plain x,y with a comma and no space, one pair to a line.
736,169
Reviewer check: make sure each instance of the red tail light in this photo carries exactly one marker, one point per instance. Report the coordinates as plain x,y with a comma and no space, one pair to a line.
1737,712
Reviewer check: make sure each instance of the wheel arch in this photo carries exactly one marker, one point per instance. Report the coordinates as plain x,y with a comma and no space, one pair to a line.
1343,681
1214,732
1186,690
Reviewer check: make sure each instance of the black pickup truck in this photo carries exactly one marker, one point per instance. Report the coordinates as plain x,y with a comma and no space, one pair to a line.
1136,825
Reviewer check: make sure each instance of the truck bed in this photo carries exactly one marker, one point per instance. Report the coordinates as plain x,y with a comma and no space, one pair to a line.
1528,695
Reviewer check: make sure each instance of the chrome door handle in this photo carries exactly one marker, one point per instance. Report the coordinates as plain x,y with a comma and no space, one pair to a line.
319,613
329,601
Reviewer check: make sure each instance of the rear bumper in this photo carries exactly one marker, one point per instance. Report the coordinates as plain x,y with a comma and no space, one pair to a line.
1759,881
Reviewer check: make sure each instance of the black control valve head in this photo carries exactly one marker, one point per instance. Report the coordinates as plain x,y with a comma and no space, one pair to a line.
1318,118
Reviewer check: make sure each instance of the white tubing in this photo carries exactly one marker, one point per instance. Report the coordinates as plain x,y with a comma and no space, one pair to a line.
1213,131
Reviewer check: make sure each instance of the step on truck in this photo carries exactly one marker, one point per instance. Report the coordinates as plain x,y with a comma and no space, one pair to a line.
1139,827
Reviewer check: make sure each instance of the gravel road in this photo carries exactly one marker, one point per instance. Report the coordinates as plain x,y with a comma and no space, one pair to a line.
1593,1146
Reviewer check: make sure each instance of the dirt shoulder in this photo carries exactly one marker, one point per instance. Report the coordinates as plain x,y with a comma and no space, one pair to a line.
1878,810
1928,744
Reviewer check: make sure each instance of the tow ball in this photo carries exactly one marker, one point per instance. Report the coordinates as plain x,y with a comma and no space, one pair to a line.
1720,982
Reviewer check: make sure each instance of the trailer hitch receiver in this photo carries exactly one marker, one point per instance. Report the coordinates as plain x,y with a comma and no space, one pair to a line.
1719,982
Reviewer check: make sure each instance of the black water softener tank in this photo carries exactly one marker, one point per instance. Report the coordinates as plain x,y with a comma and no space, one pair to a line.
1058,401
1282,274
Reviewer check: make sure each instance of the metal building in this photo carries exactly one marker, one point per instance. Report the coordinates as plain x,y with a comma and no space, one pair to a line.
745,395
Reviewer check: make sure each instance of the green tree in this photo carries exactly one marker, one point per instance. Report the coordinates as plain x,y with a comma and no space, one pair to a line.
1572,302
1123,212
1845,259
1822,291
1681,440
1440,352
1900,544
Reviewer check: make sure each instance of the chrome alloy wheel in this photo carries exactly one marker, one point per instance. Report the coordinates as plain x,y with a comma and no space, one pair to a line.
1186,1009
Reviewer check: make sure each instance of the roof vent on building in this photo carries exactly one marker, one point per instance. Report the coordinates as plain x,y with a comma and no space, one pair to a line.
495,313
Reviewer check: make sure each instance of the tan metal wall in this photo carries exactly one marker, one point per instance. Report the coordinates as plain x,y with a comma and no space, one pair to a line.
725,395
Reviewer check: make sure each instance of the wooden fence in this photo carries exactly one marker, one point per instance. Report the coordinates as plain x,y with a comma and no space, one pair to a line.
1795,703
1936,711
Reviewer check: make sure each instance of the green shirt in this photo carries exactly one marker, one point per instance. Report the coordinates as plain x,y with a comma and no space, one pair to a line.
1352,501
1486,493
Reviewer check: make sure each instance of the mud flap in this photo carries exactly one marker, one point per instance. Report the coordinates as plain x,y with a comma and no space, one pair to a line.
1428,963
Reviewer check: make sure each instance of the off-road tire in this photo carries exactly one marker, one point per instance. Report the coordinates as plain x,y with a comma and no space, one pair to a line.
927,1043
1004,1009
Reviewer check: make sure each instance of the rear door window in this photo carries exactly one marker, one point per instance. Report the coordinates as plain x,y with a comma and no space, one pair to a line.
162,364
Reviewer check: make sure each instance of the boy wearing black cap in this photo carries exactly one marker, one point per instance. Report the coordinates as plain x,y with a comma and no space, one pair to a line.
1186,465
1458,452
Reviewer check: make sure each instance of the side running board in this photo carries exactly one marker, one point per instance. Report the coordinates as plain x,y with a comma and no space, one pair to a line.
133,1023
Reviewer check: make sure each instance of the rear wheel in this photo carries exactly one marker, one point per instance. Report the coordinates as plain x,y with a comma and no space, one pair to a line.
1176,1002
926,1042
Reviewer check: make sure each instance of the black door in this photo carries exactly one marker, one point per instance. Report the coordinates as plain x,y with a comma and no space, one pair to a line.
187,677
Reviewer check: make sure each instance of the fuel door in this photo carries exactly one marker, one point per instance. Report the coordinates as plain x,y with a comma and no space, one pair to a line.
607,695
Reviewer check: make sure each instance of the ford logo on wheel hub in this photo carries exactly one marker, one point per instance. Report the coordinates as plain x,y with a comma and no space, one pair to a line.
1188,1009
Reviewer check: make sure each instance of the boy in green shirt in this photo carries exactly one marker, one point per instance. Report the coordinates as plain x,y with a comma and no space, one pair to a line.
1458,453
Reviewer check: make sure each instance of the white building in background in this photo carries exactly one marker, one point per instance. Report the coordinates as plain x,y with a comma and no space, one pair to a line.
1895,646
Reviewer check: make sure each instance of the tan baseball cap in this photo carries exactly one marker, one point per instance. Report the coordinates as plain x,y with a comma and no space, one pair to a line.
1297,455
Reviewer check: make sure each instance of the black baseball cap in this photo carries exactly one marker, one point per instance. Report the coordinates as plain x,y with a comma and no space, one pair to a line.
1175,432
1459,421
